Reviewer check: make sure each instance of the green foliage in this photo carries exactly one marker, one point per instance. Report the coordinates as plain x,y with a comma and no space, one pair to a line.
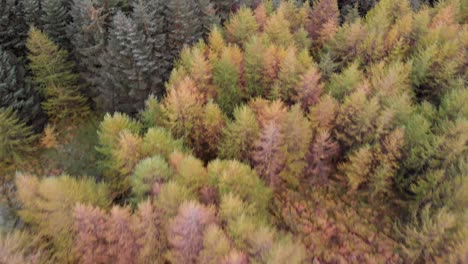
149,174
15,93
13,27
115,132
17,142
171,196
226,78
329,133
241,26
345,83
239,135
237,178
434,236
54,76
55,19
158,141
296,142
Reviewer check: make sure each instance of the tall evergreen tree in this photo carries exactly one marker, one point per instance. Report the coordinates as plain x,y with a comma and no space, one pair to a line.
56,17
33,12
13,27
88,34
128,69
15,93
184,25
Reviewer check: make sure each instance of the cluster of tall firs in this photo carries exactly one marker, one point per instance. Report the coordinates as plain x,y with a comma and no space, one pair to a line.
278,133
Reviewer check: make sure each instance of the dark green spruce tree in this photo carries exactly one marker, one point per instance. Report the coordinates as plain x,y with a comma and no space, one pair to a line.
13,27
16,94
55,18
129,72
184,26
88,34
33,12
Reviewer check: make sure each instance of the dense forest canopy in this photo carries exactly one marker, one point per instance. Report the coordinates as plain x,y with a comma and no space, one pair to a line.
233,131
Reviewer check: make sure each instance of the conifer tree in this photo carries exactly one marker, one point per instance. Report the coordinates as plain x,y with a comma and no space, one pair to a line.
16,142
91,227
216,245
47,204
309,89
33,12
323,20
184,26
296,142
55,18
13,27
186,231
323,149
55,79
268,158
17,247
88,34
15,93
149,175
128,69
110,140
239,135
226,77
241,26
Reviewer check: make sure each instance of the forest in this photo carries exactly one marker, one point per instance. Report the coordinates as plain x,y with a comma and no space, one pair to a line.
233,131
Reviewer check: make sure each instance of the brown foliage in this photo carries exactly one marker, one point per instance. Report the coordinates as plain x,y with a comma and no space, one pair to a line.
322,151
309,89
185,232
323,20
268,157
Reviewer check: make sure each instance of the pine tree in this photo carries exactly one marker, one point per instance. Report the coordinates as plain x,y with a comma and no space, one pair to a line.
149,175
239,179
358,168
88,34
208,135
15,93
159,141
13,27
121,148
129,74
33,12
184,27
54,76
151,21
323,114
55,18
253,62
121,236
